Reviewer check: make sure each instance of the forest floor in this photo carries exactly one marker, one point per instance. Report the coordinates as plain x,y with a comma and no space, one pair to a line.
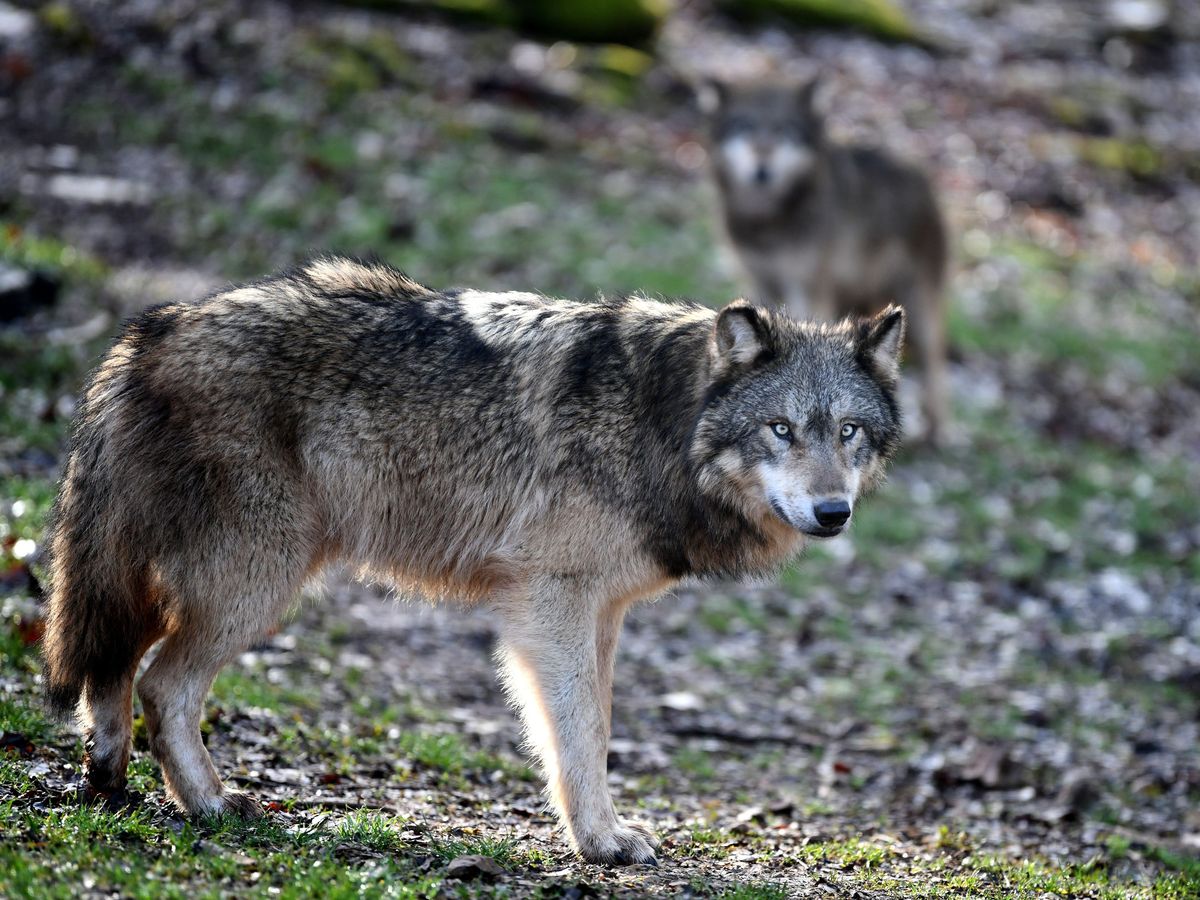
989,688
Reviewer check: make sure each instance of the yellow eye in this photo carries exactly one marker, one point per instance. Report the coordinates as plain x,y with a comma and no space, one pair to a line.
782,430
849,430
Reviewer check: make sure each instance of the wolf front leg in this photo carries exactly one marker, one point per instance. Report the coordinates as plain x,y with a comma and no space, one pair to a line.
557,646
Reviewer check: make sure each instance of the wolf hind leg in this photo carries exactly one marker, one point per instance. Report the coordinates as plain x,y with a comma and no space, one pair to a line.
207,632
229,585
173,690
106,714
107,719
556,654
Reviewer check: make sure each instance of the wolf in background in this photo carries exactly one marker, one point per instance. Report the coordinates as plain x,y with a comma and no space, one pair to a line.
826,230
556,460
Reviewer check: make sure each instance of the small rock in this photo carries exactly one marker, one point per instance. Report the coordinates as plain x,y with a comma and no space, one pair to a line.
682,701
98,190
15,23
1138,15
473,867
1078,791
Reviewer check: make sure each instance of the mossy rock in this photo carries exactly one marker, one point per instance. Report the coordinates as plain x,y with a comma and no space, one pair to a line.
594,21
588,21
881,18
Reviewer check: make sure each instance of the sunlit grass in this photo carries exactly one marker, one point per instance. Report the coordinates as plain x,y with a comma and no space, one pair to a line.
378,831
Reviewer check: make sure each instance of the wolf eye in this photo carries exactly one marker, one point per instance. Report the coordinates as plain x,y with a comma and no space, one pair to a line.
849,430
782,430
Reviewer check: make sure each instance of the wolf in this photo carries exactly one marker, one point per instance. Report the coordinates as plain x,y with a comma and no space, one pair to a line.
825,229
557,460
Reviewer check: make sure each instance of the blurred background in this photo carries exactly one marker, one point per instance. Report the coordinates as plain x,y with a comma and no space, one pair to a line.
991,685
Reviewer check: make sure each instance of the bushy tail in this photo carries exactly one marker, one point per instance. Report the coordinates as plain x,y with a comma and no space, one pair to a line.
98,607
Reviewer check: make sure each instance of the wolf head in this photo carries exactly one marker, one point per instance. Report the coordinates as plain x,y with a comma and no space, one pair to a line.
801,418
766,137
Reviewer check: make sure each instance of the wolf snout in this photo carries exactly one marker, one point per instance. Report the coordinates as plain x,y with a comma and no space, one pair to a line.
831,513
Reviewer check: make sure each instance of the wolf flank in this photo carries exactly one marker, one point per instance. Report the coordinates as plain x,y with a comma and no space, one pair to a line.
555,460
824,229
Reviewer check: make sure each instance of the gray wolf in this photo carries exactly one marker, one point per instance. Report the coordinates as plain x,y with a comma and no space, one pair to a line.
825,229
556,460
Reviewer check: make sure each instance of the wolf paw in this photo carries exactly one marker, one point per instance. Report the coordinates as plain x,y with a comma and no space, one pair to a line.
241,806
625,845
114,800
235,805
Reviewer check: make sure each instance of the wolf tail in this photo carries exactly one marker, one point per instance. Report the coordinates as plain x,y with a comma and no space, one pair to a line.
99,610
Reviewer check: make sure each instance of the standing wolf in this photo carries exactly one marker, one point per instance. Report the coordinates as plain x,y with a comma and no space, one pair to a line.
556,460
827,230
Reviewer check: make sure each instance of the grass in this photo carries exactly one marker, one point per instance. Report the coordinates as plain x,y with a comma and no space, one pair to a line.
50,255
90,848
371,829
695,764
1053,485
949,870
953,871
20,716
239,688
1045,316
502,850
757,891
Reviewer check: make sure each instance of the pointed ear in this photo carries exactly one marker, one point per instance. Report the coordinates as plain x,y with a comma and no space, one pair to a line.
742,336
711,95
881,340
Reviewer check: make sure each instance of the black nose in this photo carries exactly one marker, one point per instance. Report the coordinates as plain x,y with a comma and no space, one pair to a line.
832,513
762,174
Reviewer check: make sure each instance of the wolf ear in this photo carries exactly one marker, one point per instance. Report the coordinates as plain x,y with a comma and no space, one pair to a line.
711,95
742,336
881,340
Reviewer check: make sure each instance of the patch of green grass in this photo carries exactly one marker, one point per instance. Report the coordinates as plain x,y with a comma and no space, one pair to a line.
695,763
756,891
18,656
24,504
242,689
1188,866
448,753
726,615
1043,320
1035,877
707,843
848,853
97,824
502,850
596,243
376,830
858,864
948,839
348,65
1078,481
90,850
44,253
14,776
19,714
